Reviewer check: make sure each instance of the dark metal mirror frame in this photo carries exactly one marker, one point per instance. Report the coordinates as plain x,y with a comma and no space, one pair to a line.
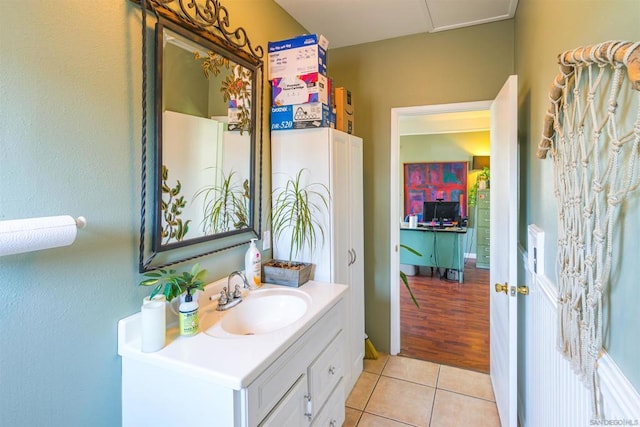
207,24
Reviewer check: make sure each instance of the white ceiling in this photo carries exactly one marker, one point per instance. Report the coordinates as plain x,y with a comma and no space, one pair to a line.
468,121
351,22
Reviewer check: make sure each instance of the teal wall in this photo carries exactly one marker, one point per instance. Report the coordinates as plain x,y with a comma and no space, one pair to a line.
70,144
544,29
70,112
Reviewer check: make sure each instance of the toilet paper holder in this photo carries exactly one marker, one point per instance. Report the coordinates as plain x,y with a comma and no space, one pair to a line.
81,222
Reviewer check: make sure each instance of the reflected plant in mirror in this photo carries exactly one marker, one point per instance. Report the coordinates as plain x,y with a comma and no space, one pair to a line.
206,163
172,204
226,206
235,87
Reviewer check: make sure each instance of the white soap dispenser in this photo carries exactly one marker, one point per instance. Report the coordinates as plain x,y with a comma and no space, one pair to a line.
188,316
253,266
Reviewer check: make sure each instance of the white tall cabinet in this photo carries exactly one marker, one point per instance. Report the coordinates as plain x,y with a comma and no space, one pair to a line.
333,158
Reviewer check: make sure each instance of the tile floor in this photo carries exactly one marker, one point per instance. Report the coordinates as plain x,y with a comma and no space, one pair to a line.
396,391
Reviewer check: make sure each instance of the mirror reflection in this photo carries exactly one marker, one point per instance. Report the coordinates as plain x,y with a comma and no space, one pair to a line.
205,141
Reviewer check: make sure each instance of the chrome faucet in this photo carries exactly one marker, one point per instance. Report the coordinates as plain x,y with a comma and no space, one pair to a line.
228,298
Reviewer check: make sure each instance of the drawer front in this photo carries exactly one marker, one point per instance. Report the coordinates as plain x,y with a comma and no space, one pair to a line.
332,414
484,199
326,371
484,219
265,392
482,254
290,411
484,236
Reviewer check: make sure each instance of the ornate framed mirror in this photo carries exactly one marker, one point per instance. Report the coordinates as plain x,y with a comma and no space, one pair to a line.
201,175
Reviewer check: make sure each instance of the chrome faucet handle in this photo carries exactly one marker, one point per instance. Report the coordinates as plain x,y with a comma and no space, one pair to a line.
237,293
223,297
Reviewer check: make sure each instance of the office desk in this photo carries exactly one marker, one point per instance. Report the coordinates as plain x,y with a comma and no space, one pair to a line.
440,247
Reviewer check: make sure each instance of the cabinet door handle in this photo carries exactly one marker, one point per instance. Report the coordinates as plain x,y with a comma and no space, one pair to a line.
352,257
309,412
332,370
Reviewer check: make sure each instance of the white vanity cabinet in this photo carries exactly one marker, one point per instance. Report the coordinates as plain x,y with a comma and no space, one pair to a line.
312,367
334,159
188,382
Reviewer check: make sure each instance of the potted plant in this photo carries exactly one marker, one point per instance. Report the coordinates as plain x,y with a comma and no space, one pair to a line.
482,182
173,284
225,205
296,215
403,276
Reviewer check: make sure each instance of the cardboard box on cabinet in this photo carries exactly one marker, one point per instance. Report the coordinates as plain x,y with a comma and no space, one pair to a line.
300,89
344,110
301,116
299,55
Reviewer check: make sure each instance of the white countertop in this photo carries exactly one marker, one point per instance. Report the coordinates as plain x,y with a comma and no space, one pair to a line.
232,361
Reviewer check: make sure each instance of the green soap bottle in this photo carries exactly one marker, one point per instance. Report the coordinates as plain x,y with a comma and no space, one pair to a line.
188,316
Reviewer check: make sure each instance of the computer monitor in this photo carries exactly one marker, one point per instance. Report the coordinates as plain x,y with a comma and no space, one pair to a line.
440,212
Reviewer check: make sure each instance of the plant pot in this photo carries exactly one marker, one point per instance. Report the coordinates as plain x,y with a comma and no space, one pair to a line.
294,274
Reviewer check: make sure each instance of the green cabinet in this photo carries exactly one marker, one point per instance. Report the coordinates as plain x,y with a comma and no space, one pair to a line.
483,230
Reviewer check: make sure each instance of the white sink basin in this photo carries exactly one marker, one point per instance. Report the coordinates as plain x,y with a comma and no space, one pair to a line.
261,312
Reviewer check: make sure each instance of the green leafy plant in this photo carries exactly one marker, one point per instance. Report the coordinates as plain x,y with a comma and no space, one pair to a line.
171,206
403,276
297,208
236,86
172,284
225,205
483,175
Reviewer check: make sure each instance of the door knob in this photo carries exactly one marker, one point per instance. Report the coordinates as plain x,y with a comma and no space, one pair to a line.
502,288
524,290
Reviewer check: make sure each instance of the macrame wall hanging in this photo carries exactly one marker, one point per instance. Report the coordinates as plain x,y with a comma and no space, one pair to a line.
592,131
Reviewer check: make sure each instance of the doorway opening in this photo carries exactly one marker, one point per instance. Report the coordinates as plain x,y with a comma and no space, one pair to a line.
445,118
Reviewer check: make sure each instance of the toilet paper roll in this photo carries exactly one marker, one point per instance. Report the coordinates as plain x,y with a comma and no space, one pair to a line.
413,221
158,297
33,234
154,326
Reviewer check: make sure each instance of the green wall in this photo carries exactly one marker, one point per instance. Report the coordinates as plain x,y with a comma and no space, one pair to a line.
544,29
469,64
70,112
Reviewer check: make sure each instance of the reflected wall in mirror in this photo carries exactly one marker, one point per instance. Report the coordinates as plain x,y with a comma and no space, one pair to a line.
207,187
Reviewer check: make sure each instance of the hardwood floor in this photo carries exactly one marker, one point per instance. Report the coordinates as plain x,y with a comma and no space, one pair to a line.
451,327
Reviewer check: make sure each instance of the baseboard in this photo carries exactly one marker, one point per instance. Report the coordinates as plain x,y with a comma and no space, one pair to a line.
620,398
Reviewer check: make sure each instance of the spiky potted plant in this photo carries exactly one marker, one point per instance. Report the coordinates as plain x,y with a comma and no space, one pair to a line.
296,217
225,205
404,278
